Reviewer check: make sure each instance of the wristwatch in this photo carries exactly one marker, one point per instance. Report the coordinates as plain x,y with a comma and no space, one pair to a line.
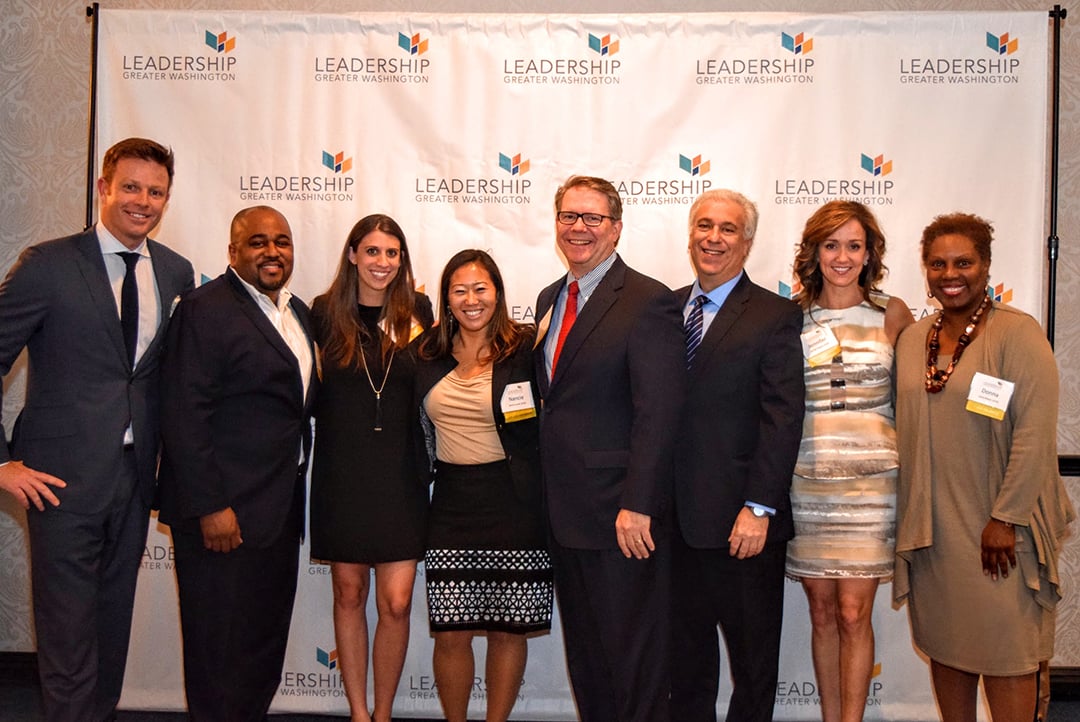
758,511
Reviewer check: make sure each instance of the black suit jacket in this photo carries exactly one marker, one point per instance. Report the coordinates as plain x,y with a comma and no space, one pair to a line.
610,414
742,421
81,389
520,439
233,413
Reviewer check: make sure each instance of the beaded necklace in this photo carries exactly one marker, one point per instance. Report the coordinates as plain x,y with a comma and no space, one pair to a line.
936,380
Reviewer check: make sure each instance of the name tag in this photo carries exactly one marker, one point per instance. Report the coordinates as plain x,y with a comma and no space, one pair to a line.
819,345
989,396
517,402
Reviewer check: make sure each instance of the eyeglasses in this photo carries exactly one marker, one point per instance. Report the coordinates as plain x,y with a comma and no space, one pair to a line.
569,218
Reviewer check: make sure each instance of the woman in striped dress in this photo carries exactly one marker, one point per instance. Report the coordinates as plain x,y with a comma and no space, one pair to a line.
843,494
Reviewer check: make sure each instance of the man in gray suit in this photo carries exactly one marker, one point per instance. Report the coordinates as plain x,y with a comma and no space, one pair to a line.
91,310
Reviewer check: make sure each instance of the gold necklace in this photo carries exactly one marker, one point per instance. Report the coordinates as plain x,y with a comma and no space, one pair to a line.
377,391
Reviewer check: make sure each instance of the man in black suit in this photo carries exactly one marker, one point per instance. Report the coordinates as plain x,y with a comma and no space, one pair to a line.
739,437
610,369
238,378
92,310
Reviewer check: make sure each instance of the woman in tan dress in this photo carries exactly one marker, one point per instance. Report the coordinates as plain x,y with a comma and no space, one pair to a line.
981,510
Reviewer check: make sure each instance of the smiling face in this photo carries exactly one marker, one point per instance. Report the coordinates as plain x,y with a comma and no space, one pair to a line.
718,242
261,250
377,258
955,273
131,203
586,246
472,297
843,254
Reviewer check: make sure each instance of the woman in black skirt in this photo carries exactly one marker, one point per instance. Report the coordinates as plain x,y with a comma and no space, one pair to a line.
368,502
487,567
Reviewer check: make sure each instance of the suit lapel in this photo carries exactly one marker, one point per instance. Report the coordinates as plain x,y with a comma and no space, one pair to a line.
729,313
262,323
602,299
92,267
545,303
304,316
500,377
168,295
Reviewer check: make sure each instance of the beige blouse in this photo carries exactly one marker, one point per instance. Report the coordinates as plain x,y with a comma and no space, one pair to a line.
464,421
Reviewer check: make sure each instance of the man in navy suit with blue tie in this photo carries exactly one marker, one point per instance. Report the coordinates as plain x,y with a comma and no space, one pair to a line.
91,309
739,436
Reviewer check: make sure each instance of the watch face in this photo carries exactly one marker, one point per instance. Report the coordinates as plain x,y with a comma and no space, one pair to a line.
757,511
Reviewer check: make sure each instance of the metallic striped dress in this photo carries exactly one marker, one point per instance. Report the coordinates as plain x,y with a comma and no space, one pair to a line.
843,492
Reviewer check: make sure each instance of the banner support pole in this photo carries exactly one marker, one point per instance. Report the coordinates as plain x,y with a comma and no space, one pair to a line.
92,12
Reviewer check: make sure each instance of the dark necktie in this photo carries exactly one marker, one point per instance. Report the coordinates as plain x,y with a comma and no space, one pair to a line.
695,322
568,318
129,305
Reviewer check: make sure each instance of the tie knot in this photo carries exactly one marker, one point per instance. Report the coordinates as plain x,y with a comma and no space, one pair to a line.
130,258
572,290
700,300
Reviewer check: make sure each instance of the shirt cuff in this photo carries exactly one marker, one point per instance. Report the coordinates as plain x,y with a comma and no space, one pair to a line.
767,509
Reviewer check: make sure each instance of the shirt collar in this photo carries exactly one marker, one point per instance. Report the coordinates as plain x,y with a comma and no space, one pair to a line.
719,294
284,295
588,283
111,244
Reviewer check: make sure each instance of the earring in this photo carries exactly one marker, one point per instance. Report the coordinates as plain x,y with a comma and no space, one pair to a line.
929,294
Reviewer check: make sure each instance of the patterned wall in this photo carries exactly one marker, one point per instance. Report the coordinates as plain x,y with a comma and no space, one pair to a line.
44,74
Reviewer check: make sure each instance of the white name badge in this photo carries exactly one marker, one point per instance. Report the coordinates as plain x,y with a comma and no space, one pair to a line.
989,396
819,345
517,402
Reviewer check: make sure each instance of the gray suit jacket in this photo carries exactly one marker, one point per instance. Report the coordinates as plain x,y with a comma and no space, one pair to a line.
82,392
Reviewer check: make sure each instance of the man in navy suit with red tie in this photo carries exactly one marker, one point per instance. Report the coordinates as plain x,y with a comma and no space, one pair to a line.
610,367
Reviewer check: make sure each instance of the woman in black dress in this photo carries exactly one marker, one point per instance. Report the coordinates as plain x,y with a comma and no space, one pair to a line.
368,504
487,568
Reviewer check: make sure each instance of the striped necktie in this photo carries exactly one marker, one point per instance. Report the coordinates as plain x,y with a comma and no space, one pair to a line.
695,322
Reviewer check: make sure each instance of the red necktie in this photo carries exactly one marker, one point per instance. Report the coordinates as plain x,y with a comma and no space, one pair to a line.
568,318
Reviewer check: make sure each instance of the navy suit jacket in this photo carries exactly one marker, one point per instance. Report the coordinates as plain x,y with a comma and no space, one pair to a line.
742,422
82,392
610,414
234,414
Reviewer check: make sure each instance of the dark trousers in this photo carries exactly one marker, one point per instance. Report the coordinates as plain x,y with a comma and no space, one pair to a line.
235,610
746,598
84,568
615,614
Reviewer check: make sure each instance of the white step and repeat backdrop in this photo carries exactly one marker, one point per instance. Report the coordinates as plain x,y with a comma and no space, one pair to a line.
462,127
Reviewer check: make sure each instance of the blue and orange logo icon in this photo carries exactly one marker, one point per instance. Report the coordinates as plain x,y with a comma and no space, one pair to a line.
693,166
337,162
1000,293
605,45
220,42
789,290
326,658
798,44
413,45
876,165
1003,44
513,165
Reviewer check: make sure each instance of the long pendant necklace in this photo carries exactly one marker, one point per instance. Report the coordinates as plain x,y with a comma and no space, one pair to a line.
936,380
377,391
